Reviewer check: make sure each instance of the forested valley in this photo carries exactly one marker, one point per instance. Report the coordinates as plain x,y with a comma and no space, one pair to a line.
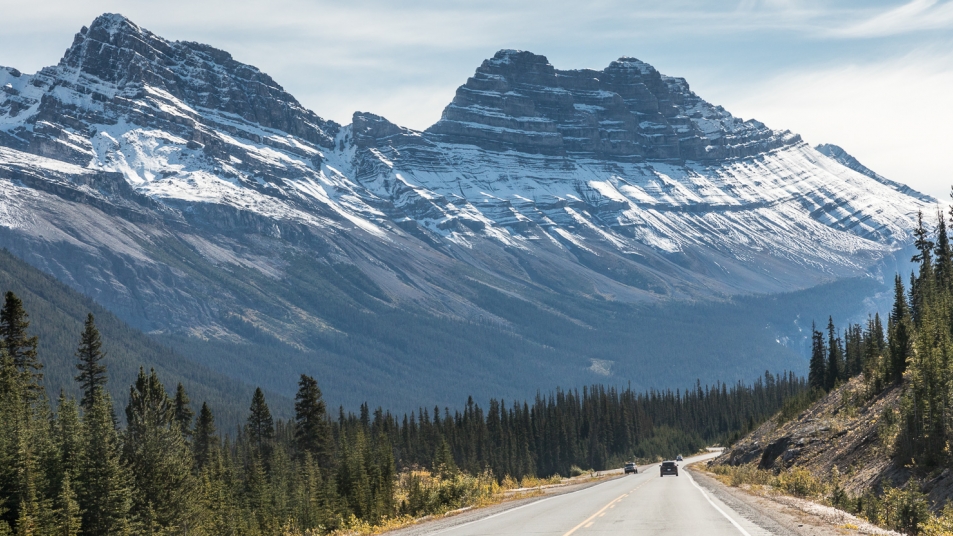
161,467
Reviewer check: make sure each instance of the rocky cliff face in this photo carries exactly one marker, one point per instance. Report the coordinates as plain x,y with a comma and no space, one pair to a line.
627,112
192,195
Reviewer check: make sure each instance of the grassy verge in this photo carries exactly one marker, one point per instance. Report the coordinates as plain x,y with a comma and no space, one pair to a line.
904,509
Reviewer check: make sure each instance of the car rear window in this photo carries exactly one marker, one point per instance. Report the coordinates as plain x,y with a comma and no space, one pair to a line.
668,464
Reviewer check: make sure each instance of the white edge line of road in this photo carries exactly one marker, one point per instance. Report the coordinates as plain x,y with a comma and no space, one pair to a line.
715,506
455,527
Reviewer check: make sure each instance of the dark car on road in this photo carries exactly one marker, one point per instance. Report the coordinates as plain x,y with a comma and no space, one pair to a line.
631,468
668,468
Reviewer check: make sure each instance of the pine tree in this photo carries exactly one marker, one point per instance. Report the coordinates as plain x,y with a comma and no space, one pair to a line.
204,439
183,413
104,488
68,439
92,374
11,408
817,372
944,255
68,519
20,346
158,457
312,431
835,359
261,427
922,285
900,334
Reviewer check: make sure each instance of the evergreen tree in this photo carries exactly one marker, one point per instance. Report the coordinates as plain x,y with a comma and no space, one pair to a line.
260,427
68,519
104,489
835,359
204,439
20,346
92,374
312,430
921,287
900,331
158,457
68,440
817,372
183,413
944,255
11,407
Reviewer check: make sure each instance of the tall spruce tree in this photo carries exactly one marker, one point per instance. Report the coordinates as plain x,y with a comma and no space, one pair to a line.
204,439
158,456
104,487
312,430
921,285
68,439
68,518
183,413
92,373
900,332
817,371
260,426
835,356
944,255
20,346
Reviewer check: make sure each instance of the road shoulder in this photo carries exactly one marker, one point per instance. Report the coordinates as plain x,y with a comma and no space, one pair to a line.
786,516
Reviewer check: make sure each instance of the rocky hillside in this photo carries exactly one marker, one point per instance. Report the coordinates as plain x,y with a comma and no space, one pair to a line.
563,226
844,433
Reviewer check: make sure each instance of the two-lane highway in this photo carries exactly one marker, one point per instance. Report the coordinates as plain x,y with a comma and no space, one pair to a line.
644,503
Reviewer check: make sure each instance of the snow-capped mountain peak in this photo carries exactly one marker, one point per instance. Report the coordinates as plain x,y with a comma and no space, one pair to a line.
620,182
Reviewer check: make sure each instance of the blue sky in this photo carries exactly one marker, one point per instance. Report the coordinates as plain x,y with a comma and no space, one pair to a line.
874,76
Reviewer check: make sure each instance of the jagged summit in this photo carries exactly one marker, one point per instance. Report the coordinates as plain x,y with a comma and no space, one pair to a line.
619,183
518,101
117,72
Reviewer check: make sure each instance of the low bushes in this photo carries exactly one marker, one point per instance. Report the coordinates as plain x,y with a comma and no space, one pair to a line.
903,509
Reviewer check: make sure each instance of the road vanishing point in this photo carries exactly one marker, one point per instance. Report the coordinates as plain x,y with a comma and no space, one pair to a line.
643,503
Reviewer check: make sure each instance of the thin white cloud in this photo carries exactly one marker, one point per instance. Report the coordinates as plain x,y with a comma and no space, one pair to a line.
916,15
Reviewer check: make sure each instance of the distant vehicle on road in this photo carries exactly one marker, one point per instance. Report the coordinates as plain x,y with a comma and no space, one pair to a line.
678,458
631,468
668,468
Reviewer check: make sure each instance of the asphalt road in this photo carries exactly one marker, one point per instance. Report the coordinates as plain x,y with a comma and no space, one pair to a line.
644,503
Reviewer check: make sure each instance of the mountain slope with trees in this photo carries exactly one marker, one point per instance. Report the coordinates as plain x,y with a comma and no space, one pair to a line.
883,423
58,314
71,468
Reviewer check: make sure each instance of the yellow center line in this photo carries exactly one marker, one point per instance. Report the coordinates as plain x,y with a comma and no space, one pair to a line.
593,516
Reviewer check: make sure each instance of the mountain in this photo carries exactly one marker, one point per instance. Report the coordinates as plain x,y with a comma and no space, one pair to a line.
553,227
57,314
840,155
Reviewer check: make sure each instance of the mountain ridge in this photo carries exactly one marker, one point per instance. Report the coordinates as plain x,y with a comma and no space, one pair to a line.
191,195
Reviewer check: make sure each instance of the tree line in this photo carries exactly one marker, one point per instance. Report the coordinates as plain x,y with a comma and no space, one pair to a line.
74,467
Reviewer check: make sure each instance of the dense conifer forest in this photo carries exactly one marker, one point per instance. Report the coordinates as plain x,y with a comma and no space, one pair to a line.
69,467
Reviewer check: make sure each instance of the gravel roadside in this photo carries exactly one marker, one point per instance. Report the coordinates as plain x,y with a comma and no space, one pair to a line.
787,516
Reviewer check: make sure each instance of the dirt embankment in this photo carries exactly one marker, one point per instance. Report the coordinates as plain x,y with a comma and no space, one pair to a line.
846,434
